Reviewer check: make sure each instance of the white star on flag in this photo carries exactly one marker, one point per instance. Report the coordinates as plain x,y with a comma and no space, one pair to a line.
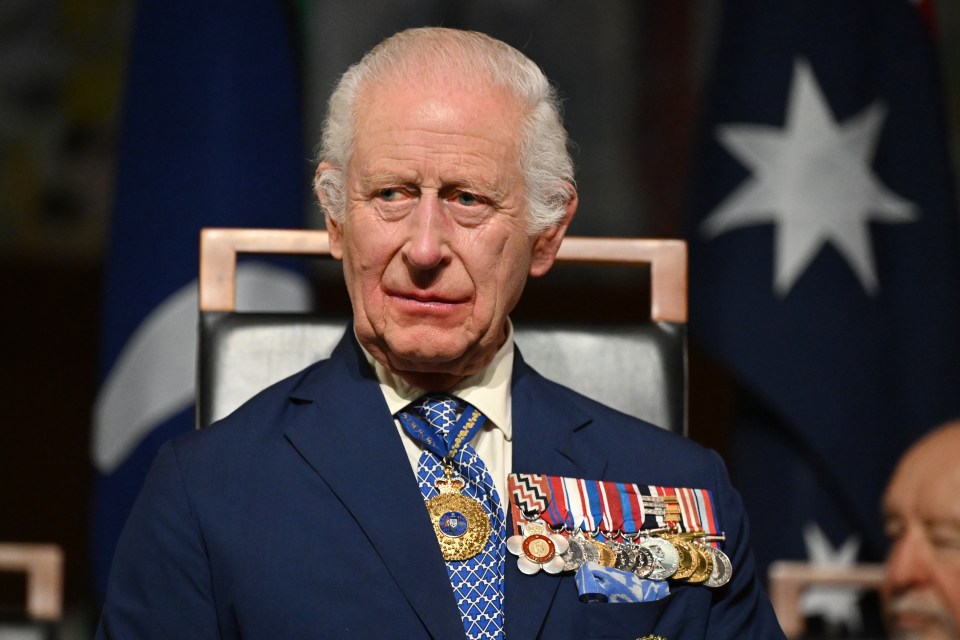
836,605
813,180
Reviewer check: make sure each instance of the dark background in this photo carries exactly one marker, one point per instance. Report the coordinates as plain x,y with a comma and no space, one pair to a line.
631,74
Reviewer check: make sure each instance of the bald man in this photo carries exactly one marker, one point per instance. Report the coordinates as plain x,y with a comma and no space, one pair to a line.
921,592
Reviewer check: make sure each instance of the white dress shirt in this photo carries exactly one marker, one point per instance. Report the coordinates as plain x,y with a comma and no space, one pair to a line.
487,390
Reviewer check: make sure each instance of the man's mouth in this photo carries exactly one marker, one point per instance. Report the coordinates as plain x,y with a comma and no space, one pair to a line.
914,619
425,302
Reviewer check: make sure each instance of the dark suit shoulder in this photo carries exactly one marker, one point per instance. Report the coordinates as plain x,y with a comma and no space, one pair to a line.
623,436
259,416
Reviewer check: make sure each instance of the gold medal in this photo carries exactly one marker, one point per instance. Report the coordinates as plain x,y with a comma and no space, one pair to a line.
704,565
608,557
461,524
689,560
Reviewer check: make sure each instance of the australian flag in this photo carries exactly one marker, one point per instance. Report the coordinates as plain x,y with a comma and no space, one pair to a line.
825,266
211,136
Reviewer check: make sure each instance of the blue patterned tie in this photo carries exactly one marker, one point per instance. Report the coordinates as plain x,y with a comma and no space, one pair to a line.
478,581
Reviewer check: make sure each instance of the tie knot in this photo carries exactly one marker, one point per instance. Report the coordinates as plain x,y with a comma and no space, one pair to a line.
439,410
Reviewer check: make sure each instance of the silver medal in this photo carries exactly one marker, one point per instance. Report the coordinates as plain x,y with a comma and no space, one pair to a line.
573,557
590,551
722,567
666,559
627,555
645,562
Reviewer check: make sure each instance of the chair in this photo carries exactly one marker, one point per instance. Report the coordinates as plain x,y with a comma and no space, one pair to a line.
639,368
788,580
43,566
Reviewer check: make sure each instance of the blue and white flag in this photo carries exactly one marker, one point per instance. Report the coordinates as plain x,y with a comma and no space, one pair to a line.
211,136
825,265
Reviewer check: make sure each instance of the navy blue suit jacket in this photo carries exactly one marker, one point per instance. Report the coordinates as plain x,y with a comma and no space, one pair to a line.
299,517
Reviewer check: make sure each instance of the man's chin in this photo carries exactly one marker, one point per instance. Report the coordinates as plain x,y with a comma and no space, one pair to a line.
433,362
428,360
921,627
426,350
427,347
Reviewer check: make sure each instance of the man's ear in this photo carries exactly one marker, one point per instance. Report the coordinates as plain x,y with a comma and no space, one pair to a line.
334,228
547,244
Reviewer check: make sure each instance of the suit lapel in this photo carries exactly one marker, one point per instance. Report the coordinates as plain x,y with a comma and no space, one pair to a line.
547,428
344,430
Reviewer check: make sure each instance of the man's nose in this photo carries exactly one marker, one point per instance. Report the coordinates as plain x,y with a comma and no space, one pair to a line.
426,244
908,563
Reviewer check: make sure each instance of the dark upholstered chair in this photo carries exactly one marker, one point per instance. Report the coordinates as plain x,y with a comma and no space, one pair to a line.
638,367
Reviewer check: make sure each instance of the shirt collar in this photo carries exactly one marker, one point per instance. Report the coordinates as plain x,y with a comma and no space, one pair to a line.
488,390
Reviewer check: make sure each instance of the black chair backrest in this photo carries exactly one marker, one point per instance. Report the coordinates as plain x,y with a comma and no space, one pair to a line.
638,367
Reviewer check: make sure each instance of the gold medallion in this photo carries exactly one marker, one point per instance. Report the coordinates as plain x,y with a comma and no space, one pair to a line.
689,560
608,557
460,523
704,566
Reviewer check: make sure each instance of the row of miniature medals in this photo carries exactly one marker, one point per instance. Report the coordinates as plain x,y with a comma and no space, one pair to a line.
666,553
462,528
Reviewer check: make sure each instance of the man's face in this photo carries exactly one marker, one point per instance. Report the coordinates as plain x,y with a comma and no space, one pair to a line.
434,242
922,509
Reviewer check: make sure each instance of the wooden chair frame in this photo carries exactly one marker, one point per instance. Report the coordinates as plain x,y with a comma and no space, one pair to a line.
667,259
789,579
43,564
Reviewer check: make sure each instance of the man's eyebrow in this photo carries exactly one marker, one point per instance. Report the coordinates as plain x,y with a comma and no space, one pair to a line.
890,510
947,521
383,179
480,187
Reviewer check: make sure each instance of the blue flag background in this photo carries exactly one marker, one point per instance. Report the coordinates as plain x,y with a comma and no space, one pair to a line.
211,136
825,270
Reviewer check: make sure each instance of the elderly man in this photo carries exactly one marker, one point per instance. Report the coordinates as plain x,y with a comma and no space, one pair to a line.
921,591
374,494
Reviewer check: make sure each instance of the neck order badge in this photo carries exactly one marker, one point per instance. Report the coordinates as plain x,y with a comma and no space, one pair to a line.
468,518
461,524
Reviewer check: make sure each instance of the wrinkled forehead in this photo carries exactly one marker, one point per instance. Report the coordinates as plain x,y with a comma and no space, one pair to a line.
441,77
466,137
927,480
433,89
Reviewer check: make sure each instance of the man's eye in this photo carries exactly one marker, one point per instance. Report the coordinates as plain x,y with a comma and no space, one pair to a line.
388,194
893,529
467,199
945,537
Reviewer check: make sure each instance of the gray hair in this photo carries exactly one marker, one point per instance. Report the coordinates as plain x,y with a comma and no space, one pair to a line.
545,163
